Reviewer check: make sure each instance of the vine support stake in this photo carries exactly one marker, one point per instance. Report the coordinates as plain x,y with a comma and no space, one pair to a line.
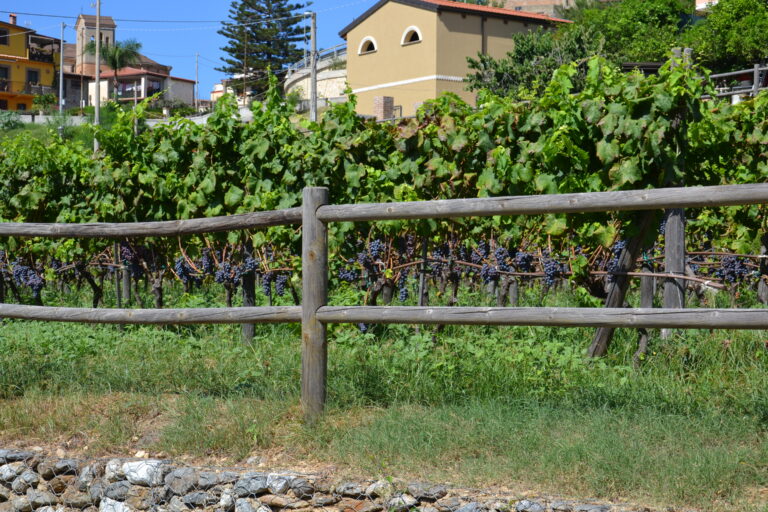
314,276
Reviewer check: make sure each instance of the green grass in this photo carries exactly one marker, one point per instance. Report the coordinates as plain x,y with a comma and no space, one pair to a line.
473,405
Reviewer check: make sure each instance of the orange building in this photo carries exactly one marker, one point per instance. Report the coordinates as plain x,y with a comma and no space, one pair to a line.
28,65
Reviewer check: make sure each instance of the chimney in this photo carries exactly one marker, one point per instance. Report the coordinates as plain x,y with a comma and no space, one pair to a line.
12,19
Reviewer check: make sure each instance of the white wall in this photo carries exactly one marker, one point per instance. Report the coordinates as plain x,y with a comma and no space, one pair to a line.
180,90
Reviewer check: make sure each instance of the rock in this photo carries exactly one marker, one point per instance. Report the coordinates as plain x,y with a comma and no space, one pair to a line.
427,508
49,509
96,491
274,501
139,498
50,469
252,484
75,499
562,506
24,481
118,491
181,481
471,507
380,489
60,484
278,484
401,503
427,492
200,499
9,472
529,506
113,471
448,504
177,505
591,508
161,495
109,505
302,488
148,473
22,504
498,506
7,456
296,505
41,498
325,501
5,494
350,489
350,505
227,500
243,505
6,506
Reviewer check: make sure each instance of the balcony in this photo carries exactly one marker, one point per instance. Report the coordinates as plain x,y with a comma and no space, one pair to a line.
37,55
29,88
38,90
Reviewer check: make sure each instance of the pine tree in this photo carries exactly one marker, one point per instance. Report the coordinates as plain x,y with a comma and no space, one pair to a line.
262,35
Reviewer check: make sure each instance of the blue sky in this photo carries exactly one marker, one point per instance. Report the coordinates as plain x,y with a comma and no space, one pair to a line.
174,44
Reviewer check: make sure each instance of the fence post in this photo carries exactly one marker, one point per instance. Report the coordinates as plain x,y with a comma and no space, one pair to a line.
314,285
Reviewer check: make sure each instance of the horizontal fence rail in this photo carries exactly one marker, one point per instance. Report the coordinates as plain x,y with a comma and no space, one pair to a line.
157,228
651,199
555,317
185,316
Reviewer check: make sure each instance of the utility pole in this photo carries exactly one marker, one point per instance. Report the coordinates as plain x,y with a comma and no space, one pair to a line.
245,63
197,81
97,85
313,68
61,69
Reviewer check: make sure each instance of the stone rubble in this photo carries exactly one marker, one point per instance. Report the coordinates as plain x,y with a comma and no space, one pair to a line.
30,482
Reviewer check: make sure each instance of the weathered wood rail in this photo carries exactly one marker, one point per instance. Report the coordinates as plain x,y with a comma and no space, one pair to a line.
314,313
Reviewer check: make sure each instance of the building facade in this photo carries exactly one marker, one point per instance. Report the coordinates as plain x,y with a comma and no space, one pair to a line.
28,65
401,53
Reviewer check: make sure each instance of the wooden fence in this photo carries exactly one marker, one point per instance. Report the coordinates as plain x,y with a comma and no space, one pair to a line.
314,313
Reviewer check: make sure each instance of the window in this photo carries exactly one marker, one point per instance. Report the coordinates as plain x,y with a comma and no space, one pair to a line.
3,104
21,106
5,78
367,45
4,37
33,76
411,35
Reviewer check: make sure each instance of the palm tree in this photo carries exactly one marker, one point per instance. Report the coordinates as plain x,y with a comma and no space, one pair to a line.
118,56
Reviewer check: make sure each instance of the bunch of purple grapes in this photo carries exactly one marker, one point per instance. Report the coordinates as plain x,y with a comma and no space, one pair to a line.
29,277
185,272
131,259
613,263
732,269
553,270
228,274
523,261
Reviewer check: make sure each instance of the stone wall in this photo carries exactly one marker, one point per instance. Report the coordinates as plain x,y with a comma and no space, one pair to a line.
29,482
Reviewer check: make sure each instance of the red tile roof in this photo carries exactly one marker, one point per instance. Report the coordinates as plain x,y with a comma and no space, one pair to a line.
495,10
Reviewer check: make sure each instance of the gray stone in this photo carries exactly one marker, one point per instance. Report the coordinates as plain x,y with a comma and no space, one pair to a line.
24,481
325,501
302,488
74,499
448,504
5,494
422,491
22,504
113,471
161,495
471,507
380,489
49,509
591,508
278,484
177,505
96,491
498,506
118,491
529,506
88,474
427,508
401,503
109,505
9,472
351,489
244,505
562,506
148,473
181,481
370,506
50,469
41,498
252,484
139,498
200,499
7,456
227,500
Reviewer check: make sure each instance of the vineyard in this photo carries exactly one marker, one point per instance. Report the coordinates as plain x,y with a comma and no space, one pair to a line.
620,132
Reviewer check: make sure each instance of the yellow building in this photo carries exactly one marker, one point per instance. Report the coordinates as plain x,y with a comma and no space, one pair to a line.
401,53
28,65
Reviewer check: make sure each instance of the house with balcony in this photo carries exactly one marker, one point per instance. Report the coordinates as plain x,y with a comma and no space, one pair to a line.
136,84
28,65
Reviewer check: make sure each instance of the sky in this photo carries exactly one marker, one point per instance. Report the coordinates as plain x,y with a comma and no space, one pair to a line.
182,28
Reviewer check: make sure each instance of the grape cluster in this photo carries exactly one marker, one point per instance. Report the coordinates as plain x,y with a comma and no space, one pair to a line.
228,274
523,261
553,269
732,269
489,273
349,273
613,263
27,276
185,272
376,249
402,285
502,259
266,283
207,265
131,259
280,281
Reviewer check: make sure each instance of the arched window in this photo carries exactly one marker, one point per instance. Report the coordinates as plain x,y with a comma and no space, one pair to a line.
411,35
367,45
